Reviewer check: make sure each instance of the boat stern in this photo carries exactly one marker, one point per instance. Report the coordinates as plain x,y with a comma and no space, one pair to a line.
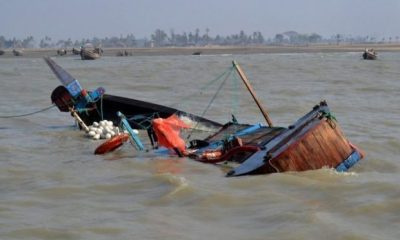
313,142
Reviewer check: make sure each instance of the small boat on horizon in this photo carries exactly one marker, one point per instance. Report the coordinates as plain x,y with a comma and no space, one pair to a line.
61,52
369,54
91,53
18,52
76,51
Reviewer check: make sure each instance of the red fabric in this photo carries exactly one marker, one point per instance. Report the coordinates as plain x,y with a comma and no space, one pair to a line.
167,131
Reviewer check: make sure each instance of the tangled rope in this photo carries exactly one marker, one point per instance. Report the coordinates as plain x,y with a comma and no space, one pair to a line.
28,114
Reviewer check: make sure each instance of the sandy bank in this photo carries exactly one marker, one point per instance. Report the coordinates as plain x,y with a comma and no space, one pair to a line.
215,50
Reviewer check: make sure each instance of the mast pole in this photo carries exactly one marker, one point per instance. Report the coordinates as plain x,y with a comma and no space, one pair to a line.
253,94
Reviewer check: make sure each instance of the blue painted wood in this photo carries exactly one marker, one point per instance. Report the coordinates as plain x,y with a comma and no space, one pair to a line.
125,125
349,162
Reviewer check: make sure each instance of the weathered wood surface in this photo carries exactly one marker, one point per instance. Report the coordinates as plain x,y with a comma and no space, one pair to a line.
322,146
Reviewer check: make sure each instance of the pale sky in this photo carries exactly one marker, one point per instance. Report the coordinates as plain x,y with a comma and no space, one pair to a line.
77,19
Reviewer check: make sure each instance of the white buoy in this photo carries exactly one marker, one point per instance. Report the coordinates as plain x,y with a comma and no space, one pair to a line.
103,130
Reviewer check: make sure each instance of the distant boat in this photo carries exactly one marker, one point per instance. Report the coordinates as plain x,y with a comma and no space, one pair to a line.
61,52
369,54
91,54
197,53
17,52
76,51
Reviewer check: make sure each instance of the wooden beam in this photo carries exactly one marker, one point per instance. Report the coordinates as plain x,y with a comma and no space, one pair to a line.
253,94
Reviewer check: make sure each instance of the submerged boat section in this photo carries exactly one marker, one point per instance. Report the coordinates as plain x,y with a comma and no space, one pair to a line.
93,106
313,142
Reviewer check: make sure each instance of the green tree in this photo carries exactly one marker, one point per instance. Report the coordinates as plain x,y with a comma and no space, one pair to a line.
159,37
313,38
279,38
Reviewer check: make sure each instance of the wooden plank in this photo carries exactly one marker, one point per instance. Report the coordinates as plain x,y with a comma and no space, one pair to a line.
341,149
320,146
327,146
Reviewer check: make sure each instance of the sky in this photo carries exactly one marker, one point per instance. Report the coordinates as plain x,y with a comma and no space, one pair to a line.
78,19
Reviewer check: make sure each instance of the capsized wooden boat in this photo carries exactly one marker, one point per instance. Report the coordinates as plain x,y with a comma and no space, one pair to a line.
369,54
314,141
96,105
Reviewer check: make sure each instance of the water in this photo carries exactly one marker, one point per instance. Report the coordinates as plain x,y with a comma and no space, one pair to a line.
53,187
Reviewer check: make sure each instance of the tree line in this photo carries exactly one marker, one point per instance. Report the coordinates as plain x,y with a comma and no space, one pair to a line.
160,38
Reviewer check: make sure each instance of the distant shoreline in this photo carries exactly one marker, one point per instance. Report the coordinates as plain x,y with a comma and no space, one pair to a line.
217,50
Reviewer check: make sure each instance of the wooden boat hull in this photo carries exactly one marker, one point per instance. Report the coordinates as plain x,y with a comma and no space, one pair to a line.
313,142
96,106
140,113
321,146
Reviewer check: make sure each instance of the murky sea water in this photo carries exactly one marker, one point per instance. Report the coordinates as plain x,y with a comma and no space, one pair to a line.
52,186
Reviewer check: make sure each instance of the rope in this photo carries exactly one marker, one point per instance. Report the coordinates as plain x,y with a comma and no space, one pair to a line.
328,115
28,114
211,101
101,106
215,96
207,85
331,119
226,73
148,119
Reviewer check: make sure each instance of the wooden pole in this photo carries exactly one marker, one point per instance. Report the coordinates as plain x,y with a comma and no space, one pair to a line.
253,94
79,120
